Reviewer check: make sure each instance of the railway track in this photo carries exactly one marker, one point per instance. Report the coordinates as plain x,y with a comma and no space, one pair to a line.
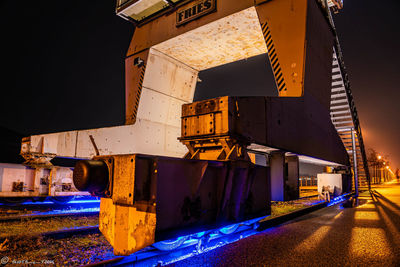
69,240
48,204
47,209
65,233
200,244
47,215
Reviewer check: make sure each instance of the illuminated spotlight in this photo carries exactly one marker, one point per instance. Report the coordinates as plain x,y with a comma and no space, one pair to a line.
379,157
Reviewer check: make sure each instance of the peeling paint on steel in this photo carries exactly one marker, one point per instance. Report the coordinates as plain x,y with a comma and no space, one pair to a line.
235,37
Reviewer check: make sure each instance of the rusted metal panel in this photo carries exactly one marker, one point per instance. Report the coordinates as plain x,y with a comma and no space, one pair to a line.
144,137
299,125
127,229
198,125
45,145
169,76
160,108
283,24
232,38
242,117
123,179
205,194
134,75
173,197
62,143
66,143
163,29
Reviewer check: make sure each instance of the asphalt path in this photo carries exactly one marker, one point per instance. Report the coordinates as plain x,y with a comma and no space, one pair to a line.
368,235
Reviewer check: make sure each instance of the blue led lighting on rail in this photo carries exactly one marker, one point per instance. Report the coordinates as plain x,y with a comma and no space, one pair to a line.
338,200
85,200
192,245
68,211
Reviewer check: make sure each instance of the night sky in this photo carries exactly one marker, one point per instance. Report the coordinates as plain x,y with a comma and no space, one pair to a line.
63,68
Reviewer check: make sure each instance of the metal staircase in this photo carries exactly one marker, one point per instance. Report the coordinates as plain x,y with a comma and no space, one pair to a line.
343,110
345,119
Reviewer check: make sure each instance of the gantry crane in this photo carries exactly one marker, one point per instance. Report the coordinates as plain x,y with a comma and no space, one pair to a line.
215,142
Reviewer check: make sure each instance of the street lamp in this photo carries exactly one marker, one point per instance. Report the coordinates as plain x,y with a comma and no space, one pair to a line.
377,165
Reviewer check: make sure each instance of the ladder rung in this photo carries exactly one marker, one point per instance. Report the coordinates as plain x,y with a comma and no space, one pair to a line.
339,101
342,122
339,95
341,118
339,107
340,112
337,83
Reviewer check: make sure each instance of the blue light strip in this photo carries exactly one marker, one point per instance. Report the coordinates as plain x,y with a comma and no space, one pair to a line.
86,201
215,239
338,199
55,212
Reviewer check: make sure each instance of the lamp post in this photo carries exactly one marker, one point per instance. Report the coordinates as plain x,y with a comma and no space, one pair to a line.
376,168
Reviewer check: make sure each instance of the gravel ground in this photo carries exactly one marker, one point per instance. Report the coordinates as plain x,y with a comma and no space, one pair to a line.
76,251
368,235
20,244
29,227
279,208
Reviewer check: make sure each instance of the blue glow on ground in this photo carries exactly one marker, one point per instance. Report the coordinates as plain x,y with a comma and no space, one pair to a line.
193,244
77,206
84,200
338,200
68,211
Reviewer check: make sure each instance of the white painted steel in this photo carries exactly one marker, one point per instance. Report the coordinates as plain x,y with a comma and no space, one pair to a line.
57,176
167,85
